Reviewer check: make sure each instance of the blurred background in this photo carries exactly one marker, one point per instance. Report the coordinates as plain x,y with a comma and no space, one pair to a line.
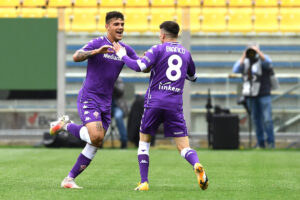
39,80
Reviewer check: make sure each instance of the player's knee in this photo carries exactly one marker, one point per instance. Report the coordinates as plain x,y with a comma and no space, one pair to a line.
97,139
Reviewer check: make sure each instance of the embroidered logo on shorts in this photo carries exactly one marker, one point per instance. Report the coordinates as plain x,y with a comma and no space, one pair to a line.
96,114
86,112
177,133
87,118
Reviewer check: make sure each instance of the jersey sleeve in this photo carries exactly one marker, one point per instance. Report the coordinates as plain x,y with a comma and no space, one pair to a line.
89,46
191,71
131,53
140,64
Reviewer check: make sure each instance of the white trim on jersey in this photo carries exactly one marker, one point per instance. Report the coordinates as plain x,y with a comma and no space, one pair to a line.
141,65
191,78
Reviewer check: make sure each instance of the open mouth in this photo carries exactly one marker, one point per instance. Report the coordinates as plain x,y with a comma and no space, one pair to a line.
119,32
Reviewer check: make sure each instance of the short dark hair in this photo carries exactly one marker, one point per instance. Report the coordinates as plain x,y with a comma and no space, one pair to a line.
113,14
171,27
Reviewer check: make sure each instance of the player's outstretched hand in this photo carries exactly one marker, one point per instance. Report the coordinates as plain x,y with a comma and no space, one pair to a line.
105,49
120,51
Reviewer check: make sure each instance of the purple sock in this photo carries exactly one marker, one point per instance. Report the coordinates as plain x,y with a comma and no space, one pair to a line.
192,157
74,129
144,166
80,165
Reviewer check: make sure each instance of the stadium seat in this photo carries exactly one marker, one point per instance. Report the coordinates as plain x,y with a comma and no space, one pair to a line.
34,3
240,20
162,2
214,3
86,3
290,3
136,20
240,2
178,14
51,13
266,19
111,3
60,3
32,12
140,3
9,3
182,3
214,19
102,14
84,19
290,19
158,15
8,13
68,17
195,15
266,2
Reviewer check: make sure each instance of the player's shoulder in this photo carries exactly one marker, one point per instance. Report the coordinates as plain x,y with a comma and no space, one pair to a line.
156,48
125,45
99,41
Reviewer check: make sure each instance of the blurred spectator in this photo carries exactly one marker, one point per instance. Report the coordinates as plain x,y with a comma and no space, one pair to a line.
255,67
120,110
134,119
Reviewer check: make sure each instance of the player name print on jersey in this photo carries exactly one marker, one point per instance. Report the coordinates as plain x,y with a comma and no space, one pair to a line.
175,49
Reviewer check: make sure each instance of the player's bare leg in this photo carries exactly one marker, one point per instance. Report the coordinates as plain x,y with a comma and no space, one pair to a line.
191,156
143,159
96,133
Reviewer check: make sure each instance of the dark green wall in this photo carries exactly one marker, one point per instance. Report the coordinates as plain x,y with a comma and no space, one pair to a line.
28,54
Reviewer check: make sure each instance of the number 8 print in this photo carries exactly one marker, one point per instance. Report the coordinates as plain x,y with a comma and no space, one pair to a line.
173,67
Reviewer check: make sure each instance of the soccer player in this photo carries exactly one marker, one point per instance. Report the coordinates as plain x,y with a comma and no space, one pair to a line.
95,96
170,65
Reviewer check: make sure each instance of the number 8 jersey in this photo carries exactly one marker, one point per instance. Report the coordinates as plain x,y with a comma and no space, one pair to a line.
170,64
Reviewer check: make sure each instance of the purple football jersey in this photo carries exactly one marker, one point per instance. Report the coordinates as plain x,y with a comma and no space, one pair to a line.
171,64
102,72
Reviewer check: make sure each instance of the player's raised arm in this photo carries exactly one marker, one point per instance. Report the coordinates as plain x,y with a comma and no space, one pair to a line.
138,65
81,55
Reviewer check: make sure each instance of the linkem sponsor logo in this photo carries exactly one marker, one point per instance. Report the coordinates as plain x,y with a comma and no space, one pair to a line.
167,86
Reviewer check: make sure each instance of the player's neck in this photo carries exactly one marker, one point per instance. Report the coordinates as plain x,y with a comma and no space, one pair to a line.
170,40
111,39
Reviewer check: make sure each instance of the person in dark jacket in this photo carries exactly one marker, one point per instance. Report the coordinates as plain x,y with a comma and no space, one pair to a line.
120,110
256,69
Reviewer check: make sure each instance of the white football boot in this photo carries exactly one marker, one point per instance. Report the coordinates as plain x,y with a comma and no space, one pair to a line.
69,183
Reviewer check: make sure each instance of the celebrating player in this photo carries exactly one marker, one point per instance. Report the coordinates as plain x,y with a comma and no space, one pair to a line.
94,98
170,65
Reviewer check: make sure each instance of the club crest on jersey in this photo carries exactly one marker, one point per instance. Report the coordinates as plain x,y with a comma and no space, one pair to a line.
167,86
96,114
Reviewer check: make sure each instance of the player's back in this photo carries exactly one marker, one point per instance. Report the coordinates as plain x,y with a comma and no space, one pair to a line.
168,74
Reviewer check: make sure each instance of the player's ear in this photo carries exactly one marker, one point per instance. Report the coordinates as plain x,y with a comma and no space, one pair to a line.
164,36
106,26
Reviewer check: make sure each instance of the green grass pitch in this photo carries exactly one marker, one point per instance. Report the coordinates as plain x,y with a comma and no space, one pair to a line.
36,173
